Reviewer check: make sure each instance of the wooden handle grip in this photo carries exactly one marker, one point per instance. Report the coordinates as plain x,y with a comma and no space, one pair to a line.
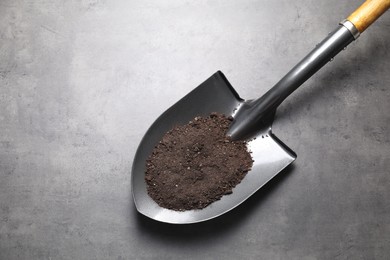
367,13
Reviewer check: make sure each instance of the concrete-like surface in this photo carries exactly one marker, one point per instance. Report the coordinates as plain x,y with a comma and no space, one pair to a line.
81,81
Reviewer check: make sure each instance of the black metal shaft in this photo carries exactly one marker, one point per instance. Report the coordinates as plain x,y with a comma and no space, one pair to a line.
253,115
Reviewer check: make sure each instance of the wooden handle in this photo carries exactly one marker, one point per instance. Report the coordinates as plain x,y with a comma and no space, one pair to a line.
367,13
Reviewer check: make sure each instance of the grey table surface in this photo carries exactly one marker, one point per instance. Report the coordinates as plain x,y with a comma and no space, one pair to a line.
81,81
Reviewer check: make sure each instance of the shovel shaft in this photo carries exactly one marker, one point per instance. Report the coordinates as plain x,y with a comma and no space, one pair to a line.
323,53
253,115
336,41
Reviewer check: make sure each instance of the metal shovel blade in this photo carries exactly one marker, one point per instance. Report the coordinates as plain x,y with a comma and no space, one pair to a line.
216,94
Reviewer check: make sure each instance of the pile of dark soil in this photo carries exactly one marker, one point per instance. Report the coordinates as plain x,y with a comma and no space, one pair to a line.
196,164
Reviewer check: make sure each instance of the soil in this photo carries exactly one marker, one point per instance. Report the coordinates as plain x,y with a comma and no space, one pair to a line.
196,164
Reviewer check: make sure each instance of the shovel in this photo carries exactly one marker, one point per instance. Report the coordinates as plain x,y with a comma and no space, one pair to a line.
252,122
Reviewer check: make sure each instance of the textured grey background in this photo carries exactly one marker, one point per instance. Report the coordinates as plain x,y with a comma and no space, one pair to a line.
81,81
